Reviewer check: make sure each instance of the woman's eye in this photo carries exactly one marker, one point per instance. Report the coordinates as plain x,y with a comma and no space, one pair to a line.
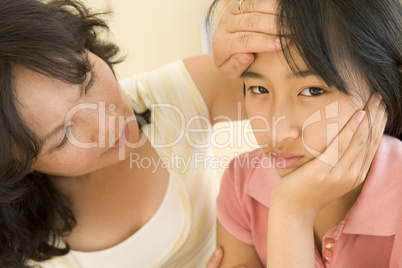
90,82
258,90
312,91
65,138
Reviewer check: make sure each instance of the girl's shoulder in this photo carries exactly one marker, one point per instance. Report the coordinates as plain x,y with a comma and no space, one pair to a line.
248,163
389,154
251,174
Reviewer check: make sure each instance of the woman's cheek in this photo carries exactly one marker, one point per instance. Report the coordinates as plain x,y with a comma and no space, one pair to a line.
65,163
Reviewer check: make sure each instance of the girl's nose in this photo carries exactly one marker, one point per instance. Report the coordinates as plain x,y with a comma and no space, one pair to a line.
284,124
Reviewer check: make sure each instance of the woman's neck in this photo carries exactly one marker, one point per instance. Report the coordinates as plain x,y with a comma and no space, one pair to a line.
111,204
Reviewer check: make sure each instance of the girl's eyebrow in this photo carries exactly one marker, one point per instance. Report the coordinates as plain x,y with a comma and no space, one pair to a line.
249,74
298,74
301,73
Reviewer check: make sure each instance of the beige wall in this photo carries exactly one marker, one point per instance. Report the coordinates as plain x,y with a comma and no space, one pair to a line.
154,32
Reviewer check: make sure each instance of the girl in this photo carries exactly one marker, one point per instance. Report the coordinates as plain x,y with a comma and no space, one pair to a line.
80,169
319,192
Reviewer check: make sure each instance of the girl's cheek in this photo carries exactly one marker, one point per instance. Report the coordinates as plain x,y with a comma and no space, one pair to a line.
260,127
319,135
315,137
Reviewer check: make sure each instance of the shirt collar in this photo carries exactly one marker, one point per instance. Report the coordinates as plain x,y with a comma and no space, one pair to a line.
379,205
262,181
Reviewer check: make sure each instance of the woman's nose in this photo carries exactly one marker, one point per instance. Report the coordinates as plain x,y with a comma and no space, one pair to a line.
92,123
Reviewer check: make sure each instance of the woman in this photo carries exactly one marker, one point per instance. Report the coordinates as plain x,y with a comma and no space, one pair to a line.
85,180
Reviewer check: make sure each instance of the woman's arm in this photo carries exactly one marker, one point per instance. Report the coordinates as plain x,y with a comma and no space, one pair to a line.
222,95
236,38
239,35
235,252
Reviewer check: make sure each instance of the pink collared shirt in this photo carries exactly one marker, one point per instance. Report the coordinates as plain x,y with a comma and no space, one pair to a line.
369,236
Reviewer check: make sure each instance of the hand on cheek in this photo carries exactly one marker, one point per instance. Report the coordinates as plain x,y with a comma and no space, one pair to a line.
343,166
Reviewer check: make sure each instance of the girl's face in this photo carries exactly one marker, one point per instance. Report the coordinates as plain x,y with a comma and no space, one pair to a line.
294,115
80,124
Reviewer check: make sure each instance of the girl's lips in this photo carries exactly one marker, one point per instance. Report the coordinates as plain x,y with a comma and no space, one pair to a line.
284,160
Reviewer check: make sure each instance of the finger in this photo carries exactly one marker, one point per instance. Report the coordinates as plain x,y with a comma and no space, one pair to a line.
252,22
242,42
216,259
370,128
369,154
247,6
255,42
379,120
237,64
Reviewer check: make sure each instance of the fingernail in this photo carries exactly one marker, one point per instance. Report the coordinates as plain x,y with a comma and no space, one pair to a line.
360,115
217,252
283,39
378,100
243,60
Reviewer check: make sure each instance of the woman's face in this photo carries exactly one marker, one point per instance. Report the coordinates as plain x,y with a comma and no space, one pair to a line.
80,124
294,115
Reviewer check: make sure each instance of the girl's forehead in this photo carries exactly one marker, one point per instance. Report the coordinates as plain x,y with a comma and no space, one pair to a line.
274,65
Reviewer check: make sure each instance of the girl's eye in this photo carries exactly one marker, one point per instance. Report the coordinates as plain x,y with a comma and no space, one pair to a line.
312,91
258,90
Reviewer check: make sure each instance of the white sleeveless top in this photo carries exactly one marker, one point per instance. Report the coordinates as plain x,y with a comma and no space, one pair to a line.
168,223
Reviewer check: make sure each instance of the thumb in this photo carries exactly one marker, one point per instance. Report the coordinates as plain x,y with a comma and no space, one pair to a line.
216,259
237,64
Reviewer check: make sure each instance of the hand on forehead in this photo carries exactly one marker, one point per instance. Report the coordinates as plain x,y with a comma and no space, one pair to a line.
245,27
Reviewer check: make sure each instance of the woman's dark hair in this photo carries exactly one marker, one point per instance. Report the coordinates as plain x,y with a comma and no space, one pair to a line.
50,38
343,39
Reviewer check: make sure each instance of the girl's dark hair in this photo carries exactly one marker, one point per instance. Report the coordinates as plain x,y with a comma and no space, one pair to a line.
343,39
50,38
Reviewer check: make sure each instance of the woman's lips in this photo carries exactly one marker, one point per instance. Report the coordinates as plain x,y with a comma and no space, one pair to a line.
122,139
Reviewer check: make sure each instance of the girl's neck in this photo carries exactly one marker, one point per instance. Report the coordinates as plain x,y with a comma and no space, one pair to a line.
331,215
